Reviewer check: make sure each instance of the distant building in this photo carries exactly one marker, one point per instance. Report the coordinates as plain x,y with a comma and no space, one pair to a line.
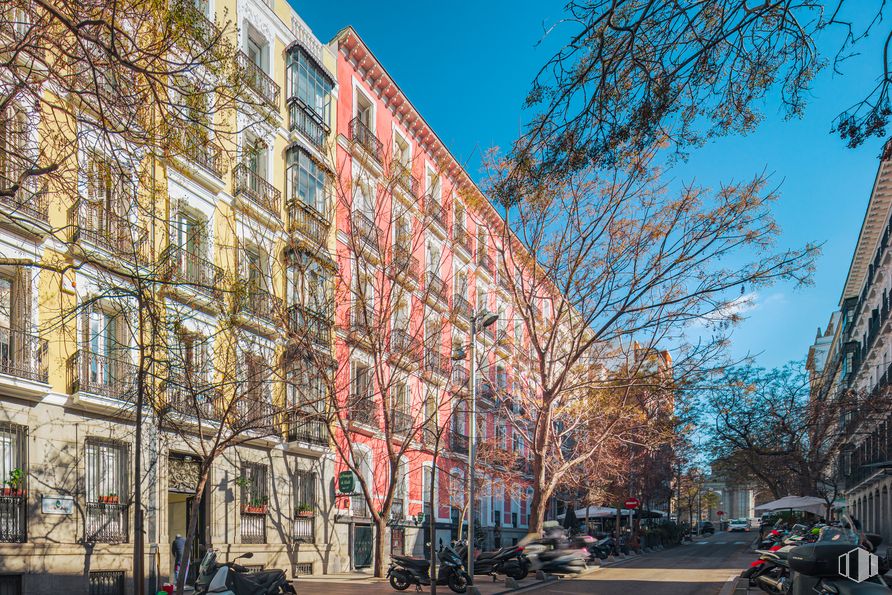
736,501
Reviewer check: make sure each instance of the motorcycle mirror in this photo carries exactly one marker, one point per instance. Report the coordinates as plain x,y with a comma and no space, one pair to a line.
246,555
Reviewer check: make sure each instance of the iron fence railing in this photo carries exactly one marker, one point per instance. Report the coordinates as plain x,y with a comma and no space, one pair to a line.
458,442
403,176
259,81
462,306
306,427
405,265
303,530
305,322
401,422
435,211
106,228
193,144
364,229
106,523
361,134
112,377
189,268
436,287
362,409
261,304
194,399
403,345
253,528
461,238
305,120
13,519
35,205
484,261
251,184
308,221
23,355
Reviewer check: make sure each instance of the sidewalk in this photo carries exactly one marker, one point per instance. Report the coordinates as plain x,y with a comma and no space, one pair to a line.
356,583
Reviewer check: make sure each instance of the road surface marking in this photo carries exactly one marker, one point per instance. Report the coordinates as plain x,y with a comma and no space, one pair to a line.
740,542
720,542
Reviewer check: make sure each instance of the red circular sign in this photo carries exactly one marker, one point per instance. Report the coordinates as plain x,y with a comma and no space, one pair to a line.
721,513
631,503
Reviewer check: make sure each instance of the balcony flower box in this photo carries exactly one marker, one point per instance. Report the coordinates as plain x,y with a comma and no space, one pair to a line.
110,499
255,508
305,514
8,491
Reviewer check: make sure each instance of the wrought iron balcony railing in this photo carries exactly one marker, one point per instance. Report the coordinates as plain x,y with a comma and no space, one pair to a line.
305,322
253,527
404,346
189,268
34,205
405,266
259,81
308,221
484,261
364,137
435,363
436,287
107,229
362,409
193,398
306,426
461,238
101,375
403,176
460,378
364,229
13,519
193,144
106,523
458,442
23,355
251,184
401,422
435,211
305,120
263,305
462,306
202,29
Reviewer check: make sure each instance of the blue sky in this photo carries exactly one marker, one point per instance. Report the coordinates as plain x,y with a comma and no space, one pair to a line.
467,67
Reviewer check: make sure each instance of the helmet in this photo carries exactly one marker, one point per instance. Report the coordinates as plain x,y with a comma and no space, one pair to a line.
816,531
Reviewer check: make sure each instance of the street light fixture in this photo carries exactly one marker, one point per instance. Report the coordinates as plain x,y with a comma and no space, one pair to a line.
484,318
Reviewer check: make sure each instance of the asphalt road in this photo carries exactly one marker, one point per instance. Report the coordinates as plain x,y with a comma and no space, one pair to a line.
700,568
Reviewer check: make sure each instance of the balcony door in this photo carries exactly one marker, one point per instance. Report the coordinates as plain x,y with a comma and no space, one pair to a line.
189,236
103,341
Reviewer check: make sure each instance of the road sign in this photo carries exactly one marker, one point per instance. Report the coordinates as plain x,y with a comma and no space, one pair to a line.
631,503
721,513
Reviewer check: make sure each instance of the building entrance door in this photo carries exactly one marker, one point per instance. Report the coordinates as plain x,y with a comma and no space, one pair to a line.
183,475
362,546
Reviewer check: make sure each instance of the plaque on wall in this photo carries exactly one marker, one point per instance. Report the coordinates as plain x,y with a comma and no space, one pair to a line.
57,504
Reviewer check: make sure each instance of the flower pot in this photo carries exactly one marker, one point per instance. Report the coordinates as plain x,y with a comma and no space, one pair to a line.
305,514
7,491
113,499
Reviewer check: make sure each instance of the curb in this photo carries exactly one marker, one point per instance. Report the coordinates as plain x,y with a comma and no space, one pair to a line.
550,579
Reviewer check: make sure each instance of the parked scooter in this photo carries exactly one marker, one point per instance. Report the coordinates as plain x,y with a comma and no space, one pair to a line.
602,548
231,578
405,571
510,561
556,553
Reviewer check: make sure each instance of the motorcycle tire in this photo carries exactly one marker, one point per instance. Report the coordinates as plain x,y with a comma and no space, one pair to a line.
520,572
457,582
399,582
288,589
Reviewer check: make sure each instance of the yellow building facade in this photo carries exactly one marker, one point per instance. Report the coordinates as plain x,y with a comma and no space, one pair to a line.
195,297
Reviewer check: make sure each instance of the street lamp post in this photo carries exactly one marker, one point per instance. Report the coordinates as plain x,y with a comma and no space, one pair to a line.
485,319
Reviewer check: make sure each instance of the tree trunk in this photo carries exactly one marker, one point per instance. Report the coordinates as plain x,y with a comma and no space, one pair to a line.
191,529
380,536
537,510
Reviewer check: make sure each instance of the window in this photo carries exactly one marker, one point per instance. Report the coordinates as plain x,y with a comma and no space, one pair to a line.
501,433
304,490
309,283
254,484
459,215
255,372
433,257
307,388
14,477
433,186
364,111
306,180
257,52
310,84
362,381
13,146
106,483
401,397
256,159
254,271
401,152
190,357
427,478
105,346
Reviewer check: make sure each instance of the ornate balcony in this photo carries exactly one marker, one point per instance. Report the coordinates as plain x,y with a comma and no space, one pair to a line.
308,221
485,262
305,322
458,442
101,375
435,363
192,144
401,422
362,409
259,81
404,178
405,266
435,211
365,230
436,287
306,121
250,184
33,205
460,378
306,426
192,398
23,355
405,349
262,305
461,238
364,137
188,268
104,228
461,306
202,29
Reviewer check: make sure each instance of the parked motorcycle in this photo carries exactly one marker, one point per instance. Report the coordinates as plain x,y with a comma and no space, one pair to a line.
558,554
602,548
509,561
231,578
405,571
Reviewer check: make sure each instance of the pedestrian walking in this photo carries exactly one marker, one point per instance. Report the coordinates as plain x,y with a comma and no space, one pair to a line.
178,547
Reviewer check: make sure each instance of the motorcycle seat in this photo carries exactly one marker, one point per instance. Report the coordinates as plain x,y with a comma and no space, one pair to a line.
256,582
495,554
413,562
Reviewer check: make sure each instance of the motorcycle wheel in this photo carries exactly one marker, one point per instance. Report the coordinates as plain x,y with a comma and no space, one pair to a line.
458,582
399,582
520,572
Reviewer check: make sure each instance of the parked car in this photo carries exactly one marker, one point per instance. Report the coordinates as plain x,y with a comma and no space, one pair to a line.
739,525
707,527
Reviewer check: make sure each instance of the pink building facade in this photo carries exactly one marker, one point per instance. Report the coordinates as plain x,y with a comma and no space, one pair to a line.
418,250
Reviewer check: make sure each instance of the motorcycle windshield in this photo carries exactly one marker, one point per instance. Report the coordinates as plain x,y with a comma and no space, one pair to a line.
208,566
